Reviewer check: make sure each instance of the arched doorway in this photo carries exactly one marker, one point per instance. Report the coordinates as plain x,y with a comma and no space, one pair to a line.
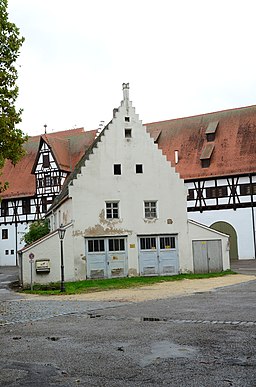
226,228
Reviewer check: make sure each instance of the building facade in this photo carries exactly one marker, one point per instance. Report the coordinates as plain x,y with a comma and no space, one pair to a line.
124,211
215,154
34,183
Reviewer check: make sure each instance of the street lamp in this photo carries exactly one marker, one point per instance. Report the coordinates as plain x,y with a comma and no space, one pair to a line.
61,232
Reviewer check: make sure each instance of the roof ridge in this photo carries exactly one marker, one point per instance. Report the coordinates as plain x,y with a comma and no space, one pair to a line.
202,114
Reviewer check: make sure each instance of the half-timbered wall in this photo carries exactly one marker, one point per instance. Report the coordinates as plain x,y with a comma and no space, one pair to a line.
17,213
230,199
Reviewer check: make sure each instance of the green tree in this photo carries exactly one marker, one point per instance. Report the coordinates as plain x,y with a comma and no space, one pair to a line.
11,138
36,231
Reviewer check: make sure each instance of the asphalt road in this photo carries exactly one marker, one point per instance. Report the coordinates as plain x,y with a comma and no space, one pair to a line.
206,339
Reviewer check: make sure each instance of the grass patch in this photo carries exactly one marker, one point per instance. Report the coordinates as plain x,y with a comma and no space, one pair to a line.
97,285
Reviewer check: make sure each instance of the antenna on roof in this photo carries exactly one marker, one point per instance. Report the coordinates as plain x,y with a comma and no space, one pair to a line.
45,127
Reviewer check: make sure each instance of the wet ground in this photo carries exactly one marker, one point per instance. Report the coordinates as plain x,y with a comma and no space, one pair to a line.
204,339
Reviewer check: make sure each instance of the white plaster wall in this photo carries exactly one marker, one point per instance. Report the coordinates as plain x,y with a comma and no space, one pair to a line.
241,220
200,232
10,243
49,248
98,184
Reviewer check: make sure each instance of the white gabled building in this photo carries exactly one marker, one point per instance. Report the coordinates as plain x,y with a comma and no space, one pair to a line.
124,208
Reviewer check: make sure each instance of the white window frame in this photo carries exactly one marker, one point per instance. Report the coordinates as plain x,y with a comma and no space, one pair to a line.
150,209
110,209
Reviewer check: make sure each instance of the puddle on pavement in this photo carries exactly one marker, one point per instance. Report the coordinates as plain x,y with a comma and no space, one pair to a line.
167,350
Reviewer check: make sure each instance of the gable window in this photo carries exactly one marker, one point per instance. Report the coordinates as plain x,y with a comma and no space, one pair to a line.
117,169
4,233
128,133
6,252
127,119
139,168
55,180
46,160
150,209
26,206
4,208
47,180
112,210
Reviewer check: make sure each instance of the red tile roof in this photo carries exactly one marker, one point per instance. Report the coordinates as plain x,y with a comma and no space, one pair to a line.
68,147
234,144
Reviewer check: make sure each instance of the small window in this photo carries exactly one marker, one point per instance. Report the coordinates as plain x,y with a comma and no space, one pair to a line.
116,244
150,209
46,160
12,252
128,133
55,180
44,204
117,169
191,194
167,243
26,206
47,180
127,119
5,233
148,243
216,192
96,245
112,210
40,183
205,163
4,208
6,252
139,168
248,189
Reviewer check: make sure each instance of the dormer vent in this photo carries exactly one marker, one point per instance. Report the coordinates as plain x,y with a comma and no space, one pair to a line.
211,130
206,155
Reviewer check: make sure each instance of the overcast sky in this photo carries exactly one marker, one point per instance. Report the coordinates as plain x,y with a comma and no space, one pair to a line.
181,58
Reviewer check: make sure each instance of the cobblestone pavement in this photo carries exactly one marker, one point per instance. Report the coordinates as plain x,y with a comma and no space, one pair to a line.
21,311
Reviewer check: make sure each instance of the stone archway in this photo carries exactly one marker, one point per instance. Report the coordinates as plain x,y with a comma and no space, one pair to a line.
226,228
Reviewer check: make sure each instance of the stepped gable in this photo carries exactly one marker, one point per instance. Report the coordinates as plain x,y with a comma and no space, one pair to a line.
232,134
68,147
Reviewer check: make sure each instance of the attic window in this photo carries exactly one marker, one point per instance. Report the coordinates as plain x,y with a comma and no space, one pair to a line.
46,160
206,155
128,133
127,119
139,168
211,130
117,169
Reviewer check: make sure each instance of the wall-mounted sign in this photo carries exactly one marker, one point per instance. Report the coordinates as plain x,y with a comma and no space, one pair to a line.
43,265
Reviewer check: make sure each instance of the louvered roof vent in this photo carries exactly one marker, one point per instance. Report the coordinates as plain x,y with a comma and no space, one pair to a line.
211,130
206,155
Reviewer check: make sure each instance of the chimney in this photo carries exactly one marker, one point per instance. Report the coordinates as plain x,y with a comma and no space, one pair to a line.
126,91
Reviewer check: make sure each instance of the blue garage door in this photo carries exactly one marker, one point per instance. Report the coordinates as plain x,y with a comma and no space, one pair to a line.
158,255
106,257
